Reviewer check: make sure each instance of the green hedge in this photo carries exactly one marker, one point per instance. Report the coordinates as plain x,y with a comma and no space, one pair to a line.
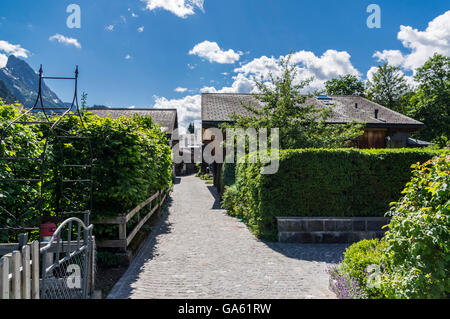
227,176
322,182
132,160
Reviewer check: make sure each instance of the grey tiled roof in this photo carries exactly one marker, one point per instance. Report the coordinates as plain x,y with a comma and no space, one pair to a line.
217,107
166,118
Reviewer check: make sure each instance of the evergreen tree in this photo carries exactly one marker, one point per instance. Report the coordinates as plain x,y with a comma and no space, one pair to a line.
191,128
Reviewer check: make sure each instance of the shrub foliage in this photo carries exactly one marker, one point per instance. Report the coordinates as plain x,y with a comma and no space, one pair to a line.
413,258
358,260
321,182
418,240
132,160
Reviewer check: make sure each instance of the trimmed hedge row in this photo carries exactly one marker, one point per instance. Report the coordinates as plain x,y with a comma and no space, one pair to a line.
321,183
228,176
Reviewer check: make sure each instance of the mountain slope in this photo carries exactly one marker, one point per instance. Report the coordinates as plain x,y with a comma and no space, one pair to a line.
23,82
5,94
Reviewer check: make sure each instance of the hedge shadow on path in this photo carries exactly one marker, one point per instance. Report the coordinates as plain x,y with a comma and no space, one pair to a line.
328,253
217,202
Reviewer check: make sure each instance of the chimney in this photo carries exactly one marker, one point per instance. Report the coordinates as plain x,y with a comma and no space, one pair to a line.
356,105
376,113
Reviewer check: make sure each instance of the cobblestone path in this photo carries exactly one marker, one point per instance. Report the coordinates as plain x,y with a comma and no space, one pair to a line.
198,251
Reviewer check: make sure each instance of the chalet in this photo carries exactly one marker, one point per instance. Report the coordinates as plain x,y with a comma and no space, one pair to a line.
384,128
166,118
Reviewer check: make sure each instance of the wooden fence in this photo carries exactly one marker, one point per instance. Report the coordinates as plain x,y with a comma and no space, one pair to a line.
19,273
125,239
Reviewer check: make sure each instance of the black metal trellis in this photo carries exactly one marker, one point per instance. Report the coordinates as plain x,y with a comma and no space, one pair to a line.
56,137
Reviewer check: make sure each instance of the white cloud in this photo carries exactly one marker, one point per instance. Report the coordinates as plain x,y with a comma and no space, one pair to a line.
134,15
208,89
180,90
181,8
141,29
262,66
191,67
422,44
213,53
189,108
330,64
127,57
14,49
65,40
371,72
3,60
323,68
393,57
241,84
109,27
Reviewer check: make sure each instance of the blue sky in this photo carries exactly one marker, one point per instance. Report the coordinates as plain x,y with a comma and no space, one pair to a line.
138,52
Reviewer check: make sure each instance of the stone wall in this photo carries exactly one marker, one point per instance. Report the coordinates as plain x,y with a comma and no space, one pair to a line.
330,230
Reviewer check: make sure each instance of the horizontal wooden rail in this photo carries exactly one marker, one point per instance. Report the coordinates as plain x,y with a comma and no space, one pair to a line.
63,248
124,240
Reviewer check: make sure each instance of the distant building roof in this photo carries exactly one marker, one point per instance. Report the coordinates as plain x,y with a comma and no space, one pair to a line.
166,118
416,142
217,107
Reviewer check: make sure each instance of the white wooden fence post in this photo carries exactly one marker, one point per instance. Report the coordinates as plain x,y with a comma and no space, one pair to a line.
4,278
19,273
26,278
35,270
16,264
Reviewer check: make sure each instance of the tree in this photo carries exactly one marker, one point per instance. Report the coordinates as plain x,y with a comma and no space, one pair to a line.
191,128
84,96
431,103
388,87
285,108
345,85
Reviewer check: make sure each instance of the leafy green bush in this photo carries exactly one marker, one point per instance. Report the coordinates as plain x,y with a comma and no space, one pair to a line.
229,199
418,237
323,182
359,258
132,160
413,259
18,200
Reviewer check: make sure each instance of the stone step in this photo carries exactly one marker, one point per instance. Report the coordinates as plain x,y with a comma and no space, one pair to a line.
330,230
326,237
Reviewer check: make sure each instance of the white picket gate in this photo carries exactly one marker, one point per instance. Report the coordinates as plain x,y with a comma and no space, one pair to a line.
19,273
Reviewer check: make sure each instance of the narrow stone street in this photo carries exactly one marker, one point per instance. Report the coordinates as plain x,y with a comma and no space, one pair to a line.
197,251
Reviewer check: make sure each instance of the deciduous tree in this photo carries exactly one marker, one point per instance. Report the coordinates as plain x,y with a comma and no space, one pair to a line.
345,85
284,107
388,87
431,103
